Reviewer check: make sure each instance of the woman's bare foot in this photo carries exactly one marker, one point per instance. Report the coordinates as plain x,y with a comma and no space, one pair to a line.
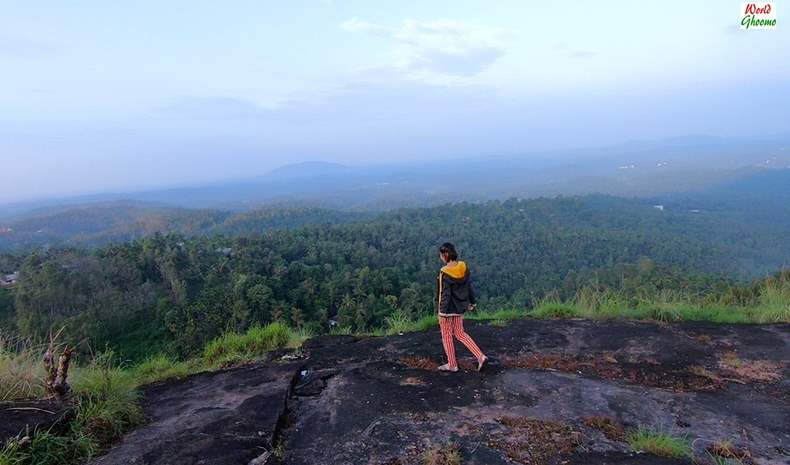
447,367
481,363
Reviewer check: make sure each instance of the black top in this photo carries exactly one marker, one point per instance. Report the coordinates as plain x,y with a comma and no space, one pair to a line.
454,292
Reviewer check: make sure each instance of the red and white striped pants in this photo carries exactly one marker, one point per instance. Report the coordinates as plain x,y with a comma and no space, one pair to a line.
453,326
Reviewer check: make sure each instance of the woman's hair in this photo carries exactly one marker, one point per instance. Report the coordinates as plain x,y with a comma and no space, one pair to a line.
449,249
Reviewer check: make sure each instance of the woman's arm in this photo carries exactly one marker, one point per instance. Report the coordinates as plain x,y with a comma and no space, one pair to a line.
444,293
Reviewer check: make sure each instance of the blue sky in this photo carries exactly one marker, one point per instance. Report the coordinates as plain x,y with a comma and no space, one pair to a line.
111,96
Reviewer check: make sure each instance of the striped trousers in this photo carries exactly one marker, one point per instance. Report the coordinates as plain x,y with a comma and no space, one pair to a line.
453,326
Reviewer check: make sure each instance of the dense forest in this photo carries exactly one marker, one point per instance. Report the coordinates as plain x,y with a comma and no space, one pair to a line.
170,293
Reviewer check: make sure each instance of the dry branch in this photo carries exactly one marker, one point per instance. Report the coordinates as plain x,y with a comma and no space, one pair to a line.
56,381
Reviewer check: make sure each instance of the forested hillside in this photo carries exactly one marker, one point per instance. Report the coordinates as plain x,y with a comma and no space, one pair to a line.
171,293
95,225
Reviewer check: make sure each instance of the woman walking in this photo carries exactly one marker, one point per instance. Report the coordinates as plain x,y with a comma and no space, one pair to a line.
454,296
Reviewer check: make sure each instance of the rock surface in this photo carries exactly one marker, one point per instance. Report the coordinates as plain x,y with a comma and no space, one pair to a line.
19,418
558,392
211,418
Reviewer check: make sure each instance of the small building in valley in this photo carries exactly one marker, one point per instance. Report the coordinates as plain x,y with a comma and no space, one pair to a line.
9,280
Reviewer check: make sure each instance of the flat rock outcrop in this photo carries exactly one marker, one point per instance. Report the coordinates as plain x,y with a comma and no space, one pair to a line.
557,392
230,416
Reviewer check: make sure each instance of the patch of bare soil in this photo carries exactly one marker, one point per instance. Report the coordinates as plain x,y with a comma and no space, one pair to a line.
449,454
606,366
728,451
421,363
533,441
750,371
412,381
428,363
610,427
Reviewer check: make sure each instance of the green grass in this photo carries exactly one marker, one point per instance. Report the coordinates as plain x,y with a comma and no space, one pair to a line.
341,331
49,449
498,315
21,370
397,323
551,308
105,405
659,443
772,305
162,367
298,337
106,400
255,342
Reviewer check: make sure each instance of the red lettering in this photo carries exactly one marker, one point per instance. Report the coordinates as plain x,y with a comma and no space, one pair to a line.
751,9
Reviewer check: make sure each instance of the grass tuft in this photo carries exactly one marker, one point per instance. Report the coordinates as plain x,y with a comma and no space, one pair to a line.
21,370
298,337
659,443
771,305
498,315
398,323
161,367
105,403
106,400
257,341
552,308
726,453
46,448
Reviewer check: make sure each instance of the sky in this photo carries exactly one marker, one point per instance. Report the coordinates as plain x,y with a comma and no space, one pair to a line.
100,96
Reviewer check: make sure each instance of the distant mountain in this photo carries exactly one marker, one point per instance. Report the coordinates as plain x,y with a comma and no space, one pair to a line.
639,168
308,169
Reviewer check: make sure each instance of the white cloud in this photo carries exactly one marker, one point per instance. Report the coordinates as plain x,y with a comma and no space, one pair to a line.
437,48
